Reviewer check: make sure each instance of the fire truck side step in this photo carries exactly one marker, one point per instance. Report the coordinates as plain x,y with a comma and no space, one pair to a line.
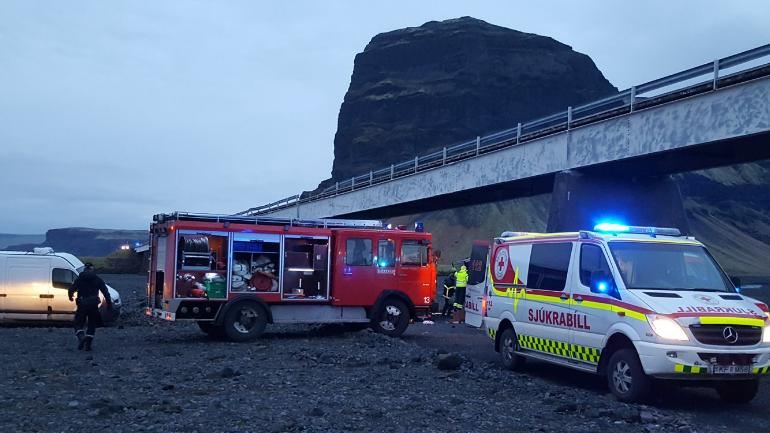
317,314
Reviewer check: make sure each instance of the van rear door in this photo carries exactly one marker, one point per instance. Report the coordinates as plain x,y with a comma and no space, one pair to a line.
476,292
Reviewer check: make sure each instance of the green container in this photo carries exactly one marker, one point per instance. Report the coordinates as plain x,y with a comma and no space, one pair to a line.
216,288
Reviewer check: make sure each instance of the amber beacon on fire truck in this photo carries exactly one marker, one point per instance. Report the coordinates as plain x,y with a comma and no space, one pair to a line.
234,275
630,303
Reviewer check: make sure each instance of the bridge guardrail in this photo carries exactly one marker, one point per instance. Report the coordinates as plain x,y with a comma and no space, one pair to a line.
671,87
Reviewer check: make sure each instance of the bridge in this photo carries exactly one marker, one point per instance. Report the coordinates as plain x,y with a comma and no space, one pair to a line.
615,154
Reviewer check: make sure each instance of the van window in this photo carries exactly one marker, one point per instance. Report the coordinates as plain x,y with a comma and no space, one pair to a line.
358,252
62,278
414,253
592,260
386,253
548,265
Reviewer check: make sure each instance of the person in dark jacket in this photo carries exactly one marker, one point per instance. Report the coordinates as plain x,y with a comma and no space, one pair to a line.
88,285
449,295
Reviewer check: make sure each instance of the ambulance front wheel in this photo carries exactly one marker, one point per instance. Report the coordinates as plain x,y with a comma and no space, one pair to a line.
626,378
738,392
510,359
245,321
392,318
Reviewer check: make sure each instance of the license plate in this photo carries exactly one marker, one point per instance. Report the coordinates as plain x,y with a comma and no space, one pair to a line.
731,369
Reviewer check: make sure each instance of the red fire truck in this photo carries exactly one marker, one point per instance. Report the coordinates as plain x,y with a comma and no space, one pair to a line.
233,275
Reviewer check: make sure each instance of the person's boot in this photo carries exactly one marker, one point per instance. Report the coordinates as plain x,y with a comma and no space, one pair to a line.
81,339
88,340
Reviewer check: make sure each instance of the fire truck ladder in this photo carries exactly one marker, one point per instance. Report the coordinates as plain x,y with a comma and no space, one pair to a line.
294,222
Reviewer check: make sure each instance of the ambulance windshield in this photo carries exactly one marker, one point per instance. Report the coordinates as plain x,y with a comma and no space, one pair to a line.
664,266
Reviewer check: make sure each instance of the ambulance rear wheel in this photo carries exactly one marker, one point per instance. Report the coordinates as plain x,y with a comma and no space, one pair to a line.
626,378
392,318
738,392
245,321
508,346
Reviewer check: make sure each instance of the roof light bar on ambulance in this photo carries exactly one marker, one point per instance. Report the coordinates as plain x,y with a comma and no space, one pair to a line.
642,230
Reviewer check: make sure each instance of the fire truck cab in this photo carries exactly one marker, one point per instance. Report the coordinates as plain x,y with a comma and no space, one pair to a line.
233,275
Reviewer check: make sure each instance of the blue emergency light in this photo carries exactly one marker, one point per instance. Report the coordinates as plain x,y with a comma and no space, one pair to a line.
419,227
611,227
615,228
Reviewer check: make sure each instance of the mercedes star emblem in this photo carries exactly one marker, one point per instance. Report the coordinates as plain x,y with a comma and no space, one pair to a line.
730,334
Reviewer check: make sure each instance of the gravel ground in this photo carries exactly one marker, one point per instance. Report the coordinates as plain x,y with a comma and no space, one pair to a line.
154,376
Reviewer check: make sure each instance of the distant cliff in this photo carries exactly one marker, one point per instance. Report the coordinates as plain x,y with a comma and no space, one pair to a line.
86,241
418,89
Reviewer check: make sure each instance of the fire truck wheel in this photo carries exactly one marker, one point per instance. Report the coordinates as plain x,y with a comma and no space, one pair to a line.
245,321
392,318
508,346
626,378
738,392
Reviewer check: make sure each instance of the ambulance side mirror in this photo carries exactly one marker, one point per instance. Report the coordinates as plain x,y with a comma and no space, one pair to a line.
603,283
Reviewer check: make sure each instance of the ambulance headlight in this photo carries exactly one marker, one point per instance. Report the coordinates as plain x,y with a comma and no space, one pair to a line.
666,328
766,334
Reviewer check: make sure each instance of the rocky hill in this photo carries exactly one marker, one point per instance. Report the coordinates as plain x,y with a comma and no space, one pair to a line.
418,89
85,241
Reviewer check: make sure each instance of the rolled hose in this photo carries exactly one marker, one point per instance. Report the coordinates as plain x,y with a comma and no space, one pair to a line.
194,244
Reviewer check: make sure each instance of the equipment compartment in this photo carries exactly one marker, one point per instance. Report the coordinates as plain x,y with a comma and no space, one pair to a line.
256,263
306,271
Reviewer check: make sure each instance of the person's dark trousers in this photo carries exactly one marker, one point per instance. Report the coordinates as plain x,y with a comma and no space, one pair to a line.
448,307
90,316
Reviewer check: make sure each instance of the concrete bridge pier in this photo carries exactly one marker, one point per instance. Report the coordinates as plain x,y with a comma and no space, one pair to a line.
580,200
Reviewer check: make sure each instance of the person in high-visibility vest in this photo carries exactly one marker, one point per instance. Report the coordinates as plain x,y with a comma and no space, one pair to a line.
461,282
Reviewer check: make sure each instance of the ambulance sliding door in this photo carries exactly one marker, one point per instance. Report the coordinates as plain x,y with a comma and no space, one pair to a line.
543,313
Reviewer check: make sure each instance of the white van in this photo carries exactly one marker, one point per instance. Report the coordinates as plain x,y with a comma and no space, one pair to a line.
630,303
34,286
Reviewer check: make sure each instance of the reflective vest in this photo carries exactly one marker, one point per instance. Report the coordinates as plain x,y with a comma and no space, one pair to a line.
462,277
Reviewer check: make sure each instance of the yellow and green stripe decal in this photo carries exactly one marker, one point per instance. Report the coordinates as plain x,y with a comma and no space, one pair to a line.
492,333
582,353
692,369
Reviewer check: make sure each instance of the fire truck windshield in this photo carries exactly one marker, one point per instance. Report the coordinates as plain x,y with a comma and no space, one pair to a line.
668,266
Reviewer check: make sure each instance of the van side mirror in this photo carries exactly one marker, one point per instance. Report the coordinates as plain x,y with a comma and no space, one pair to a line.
601,282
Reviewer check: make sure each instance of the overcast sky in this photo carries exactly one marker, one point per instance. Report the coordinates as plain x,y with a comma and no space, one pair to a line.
113,111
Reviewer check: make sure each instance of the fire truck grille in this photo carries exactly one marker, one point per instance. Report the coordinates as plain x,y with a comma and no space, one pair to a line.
720,335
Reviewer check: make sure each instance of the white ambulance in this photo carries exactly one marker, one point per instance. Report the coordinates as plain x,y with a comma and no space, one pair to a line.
631,303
